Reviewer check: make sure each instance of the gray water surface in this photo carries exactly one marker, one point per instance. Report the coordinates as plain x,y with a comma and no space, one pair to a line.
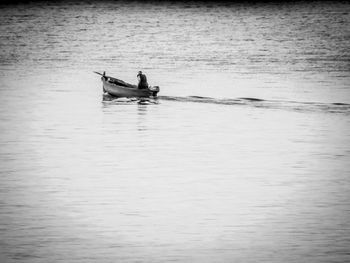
244,157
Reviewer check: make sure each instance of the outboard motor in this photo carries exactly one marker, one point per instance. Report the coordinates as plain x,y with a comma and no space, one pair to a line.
155,90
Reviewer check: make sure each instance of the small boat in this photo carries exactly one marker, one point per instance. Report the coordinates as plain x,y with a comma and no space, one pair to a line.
119,88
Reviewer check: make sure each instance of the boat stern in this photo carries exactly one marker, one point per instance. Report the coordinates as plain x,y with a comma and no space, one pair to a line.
154,90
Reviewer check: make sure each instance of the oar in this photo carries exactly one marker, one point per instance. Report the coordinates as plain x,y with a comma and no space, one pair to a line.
104,73
117,81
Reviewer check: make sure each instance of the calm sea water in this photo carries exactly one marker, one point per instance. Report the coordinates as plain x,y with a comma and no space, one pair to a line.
243,158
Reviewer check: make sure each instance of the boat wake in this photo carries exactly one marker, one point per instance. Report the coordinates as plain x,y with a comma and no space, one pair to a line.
114,100
342,108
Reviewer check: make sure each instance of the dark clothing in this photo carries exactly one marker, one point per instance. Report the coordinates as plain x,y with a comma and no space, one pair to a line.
142,81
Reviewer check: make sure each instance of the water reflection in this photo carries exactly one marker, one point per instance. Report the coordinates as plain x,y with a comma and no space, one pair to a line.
142,117
141,110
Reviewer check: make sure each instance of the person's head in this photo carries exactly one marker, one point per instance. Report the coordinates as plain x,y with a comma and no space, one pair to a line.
140,72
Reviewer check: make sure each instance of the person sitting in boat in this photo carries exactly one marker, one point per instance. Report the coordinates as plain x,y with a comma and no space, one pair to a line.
142,81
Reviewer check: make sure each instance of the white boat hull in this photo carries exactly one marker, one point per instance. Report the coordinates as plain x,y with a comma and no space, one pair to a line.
122,91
